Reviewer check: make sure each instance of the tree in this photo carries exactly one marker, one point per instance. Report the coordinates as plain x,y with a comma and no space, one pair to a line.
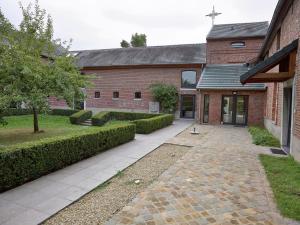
166,95
31,70
124,44
137,40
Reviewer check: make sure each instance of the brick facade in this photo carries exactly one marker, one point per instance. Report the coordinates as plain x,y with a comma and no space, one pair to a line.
256,103
127,81
221,51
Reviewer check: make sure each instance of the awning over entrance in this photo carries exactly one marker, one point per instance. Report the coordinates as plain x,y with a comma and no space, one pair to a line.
285,58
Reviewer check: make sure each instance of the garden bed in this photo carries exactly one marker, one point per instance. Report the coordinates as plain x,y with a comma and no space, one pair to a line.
27,161
263,137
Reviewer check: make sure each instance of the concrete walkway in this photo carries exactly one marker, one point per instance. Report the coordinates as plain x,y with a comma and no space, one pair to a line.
35,201
219,181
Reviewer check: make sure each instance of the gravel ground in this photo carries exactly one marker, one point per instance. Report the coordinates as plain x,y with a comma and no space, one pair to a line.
107,199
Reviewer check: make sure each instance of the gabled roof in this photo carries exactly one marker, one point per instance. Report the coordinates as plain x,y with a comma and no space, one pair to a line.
155,55
270,62
238,30
225,76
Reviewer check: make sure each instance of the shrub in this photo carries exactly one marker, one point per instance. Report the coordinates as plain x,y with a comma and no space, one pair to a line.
101,118
166,95
63,112
16,112
131,115
80,116
146,126
28,161
263,137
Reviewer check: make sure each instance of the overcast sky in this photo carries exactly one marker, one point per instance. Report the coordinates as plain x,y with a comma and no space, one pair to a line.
96,24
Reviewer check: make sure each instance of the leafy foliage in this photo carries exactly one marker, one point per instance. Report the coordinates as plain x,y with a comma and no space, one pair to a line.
25,162
80,116
137,40
125,44
31,69
263,137
166,95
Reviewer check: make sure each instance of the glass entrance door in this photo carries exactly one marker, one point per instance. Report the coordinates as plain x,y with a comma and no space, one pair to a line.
234,109
227,109
187,106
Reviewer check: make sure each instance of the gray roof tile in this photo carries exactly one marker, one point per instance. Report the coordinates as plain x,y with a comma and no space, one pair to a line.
155,55
225,76
238,30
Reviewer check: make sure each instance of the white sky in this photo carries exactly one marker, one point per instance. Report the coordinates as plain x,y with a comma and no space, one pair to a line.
96,24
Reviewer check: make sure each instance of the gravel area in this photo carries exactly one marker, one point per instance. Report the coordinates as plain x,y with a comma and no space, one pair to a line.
107,199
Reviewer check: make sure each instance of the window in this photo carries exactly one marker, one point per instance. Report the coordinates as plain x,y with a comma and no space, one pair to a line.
137,95
115,94
206,109
97,94
188,79
238,44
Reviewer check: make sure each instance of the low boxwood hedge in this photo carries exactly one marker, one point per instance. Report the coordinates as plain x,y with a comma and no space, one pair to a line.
63,112
145,122
80,116
146,126
28,161
16,112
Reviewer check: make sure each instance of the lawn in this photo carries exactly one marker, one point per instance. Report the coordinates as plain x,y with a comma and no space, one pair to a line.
263,137
20,128
284,176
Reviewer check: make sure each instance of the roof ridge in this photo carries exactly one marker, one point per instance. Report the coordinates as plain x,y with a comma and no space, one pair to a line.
147,47
223,24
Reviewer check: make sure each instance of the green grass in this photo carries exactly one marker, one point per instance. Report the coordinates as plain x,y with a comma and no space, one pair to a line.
261,136
284,176
20,128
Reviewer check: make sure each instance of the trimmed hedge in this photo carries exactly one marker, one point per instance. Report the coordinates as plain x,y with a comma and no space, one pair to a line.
63,112
145,122
146,126
80,116
28,161
16,112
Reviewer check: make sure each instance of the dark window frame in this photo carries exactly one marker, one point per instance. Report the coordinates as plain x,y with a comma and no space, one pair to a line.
97,94
190,70
117,93
278,39
138,95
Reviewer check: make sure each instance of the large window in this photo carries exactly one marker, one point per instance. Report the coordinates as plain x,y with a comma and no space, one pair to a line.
188,79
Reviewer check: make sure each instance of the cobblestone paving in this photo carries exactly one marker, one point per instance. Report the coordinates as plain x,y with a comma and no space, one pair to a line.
220,181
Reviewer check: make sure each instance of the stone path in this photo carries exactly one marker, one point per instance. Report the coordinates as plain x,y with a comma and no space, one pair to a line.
35,201
220,181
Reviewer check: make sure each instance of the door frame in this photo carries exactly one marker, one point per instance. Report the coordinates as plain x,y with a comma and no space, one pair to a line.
194,106
234,109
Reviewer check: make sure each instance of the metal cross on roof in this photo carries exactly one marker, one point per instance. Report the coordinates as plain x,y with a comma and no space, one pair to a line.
213,15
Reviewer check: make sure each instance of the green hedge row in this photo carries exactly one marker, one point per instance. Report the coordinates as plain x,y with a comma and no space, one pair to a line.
80,116
16,112
146,126
145,122
28,161
63,112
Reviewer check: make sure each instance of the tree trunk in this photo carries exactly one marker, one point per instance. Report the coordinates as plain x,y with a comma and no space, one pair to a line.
35,120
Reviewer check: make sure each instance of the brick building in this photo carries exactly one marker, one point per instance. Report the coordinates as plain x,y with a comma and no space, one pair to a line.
222,98
278,66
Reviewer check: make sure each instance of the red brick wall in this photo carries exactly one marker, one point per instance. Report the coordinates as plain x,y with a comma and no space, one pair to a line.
221,52
127,82
290,30
55,103
256,105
